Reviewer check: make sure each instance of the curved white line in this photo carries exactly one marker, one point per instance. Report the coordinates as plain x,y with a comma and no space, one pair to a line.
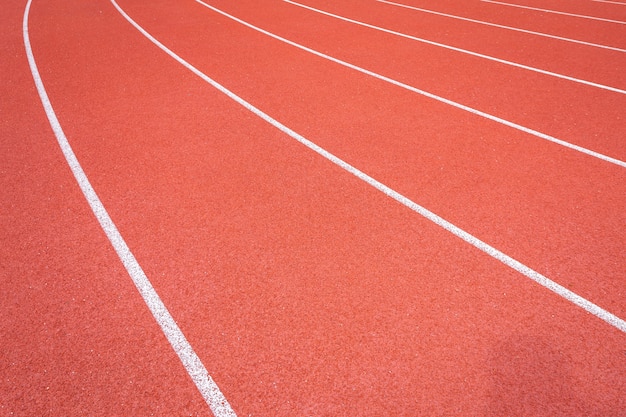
556,12
481,22
424,93
463,51
472,240
192,363
612,2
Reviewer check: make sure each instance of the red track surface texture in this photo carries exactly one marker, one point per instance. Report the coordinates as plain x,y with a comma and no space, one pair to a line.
303,290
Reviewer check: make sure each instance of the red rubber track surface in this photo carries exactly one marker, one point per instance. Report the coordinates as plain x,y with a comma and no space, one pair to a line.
560,25
579,7
554,55
75,337
304,290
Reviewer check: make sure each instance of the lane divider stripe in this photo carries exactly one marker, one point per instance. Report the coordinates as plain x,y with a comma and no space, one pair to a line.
467,237
192,363
612,2
596,45
463,51
424,93
556,12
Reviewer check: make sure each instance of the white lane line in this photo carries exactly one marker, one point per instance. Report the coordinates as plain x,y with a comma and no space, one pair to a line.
611,2
424,93
467,237
463,51
556,12
192,363
596,45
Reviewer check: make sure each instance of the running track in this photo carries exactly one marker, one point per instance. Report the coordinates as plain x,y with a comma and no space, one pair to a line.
303,290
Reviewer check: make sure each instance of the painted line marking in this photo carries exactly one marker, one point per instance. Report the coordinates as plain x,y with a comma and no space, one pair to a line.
192,363
504,27
555,12
463,51
611,2
467,237
424,93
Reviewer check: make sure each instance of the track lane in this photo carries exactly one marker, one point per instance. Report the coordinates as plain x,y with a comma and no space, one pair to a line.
600,8
296,300
193,365
76,338
610,2
579,10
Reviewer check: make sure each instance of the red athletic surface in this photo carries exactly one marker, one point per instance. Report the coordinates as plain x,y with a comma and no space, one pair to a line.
305,291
